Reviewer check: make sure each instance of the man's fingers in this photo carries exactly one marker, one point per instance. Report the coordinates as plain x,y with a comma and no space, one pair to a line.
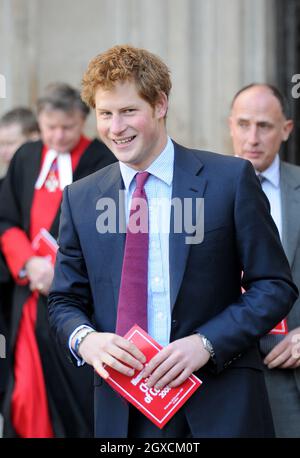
163,373
112,362
180,379
100,349
281,359
125,357
275,353
130,348
156,361
290,363
169,377
98,366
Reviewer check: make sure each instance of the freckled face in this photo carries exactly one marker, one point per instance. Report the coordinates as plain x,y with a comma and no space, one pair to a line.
129,126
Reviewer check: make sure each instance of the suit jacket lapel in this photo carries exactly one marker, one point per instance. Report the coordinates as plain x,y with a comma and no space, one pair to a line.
88,163
290,204
186,184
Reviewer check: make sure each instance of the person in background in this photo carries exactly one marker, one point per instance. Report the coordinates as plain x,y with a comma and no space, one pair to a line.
184,291
17,126
45,395
259,122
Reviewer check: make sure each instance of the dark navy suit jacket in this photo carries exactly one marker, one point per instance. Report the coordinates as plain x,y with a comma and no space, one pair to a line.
205,283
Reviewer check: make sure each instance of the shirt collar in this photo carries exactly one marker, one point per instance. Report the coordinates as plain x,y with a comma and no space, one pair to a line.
161,168
272,173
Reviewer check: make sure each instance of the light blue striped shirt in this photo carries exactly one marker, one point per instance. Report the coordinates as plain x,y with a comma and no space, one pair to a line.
158,188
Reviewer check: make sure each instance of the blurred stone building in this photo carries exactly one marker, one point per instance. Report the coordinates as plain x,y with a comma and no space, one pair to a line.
212,47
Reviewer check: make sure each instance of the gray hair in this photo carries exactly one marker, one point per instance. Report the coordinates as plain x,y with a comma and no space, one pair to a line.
61,96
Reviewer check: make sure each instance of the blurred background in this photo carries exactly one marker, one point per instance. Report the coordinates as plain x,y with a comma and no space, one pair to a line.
212,47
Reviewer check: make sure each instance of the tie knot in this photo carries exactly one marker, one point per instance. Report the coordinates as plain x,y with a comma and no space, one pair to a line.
261,177
141,179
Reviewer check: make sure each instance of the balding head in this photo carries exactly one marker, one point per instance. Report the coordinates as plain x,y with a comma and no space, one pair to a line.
258,124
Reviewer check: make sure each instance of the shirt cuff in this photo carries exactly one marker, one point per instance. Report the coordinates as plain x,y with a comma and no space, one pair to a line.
80,361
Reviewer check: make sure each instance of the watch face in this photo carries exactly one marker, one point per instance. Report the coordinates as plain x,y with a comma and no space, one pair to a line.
207,345
204,341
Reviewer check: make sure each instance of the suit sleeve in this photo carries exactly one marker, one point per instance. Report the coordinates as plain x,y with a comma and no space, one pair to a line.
69,301
270,291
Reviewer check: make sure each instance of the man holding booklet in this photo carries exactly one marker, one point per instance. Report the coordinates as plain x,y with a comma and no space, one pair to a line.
160,240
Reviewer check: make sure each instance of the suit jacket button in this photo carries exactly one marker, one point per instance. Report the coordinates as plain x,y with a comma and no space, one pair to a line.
174,323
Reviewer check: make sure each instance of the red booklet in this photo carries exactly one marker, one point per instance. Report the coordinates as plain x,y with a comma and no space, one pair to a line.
280,328
158,405
45,245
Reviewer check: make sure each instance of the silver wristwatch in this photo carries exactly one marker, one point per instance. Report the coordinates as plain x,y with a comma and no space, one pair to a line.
80,336
208,346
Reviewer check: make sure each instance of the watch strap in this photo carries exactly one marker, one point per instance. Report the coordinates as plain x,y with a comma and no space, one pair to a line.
81,335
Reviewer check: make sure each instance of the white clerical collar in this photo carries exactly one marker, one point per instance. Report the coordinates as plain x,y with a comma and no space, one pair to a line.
64,165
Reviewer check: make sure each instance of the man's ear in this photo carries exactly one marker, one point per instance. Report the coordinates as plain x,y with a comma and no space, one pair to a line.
161,106
287,129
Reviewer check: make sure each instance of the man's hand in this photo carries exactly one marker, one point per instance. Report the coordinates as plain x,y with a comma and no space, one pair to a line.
286,354
40,273
99,348
176,362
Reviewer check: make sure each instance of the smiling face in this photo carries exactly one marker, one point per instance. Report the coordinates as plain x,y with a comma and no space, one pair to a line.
133,130
61,130
258,126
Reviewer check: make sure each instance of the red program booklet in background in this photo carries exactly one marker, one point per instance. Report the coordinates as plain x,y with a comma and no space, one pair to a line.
280,328
45,245
158,405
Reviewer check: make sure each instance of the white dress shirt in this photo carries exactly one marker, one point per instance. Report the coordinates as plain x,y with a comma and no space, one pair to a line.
271,187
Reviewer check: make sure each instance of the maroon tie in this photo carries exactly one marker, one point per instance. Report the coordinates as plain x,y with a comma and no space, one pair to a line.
133,296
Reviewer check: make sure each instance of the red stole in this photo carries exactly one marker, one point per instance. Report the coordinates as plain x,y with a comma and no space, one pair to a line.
30,409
